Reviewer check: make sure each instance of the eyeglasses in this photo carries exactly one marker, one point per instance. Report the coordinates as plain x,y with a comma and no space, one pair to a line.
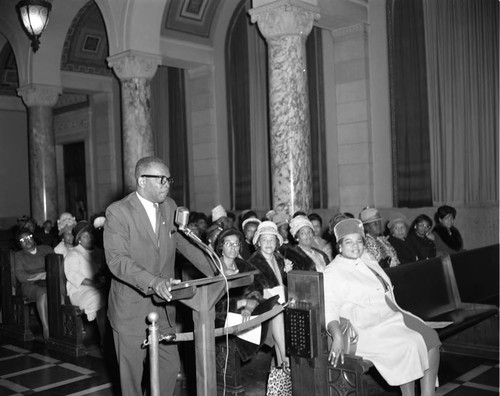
232,245
163,179
25,238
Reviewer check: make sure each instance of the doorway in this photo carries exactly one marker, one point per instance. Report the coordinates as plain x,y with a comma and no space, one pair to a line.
75,180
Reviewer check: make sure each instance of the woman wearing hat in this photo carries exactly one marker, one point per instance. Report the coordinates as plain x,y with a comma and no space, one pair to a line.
377,244
400,345
273,268
398,228
304,256
65,226
242,300
84,267
29,264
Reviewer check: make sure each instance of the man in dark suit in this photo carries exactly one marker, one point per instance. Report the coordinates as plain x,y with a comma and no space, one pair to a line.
140,241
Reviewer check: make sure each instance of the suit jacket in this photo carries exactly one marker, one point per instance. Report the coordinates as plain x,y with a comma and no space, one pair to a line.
135,256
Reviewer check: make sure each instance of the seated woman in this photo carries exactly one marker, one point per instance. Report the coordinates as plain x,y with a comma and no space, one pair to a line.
241,300
30,273
273,268
65,226
400,345
304,256
84,267
421,237
447,237
398,228
319,242
377,245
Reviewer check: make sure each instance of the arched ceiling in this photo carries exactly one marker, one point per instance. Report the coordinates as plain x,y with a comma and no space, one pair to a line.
86,44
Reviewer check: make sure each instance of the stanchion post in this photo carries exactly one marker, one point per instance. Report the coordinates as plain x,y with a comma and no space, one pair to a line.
154,370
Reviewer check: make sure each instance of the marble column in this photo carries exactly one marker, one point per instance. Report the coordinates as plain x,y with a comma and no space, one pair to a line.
40,99
135,70
285,24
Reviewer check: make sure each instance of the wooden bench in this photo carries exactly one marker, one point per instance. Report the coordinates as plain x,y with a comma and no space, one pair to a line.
477,274
15,308
429,290
67,331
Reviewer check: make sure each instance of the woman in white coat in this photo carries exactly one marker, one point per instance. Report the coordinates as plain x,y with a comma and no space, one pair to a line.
400,345
84,267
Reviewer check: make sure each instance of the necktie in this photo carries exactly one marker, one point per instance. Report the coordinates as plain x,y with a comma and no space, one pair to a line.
158,219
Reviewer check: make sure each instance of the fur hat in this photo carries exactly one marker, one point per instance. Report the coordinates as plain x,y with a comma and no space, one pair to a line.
299,222
66,222
395,218
369,215
267,228
218,212
250,220
347,227
281,218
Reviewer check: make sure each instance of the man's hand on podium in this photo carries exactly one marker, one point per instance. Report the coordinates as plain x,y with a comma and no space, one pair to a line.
162,287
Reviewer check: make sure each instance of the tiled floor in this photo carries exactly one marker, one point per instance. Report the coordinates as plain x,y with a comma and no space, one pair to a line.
31,369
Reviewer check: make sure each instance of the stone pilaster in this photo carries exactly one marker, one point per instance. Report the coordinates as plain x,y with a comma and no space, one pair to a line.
135,71
285,24
40,99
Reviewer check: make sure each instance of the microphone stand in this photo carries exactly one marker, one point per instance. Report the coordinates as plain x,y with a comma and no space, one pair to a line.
214,259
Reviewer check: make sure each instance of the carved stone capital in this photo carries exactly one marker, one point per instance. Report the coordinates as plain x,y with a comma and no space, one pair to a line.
39,94
285,17
134,64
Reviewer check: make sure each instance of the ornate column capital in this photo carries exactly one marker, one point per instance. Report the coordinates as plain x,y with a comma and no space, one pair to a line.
39,94
134,64
285,17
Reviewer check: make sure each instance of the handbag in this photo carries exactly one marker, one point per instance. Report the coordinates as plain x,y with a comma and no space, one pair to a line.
279,382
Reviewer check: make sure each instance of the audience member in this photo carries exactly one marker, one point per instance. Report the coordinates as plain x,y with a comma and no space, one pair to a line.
273,268
447,237
46,234
331,235
84,267
231,218
219,216
398,228
376,244
30,272
421,237
304,256
319,242
400,345
282,221
249,227
65,225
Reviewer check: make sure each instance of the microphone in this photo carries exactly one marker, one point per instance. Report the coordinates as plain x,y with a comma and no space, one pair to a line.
182,220
182,217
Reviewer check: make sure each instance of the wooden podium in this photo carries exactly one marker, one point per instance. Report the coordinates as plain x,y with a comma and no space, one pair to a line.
201,295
